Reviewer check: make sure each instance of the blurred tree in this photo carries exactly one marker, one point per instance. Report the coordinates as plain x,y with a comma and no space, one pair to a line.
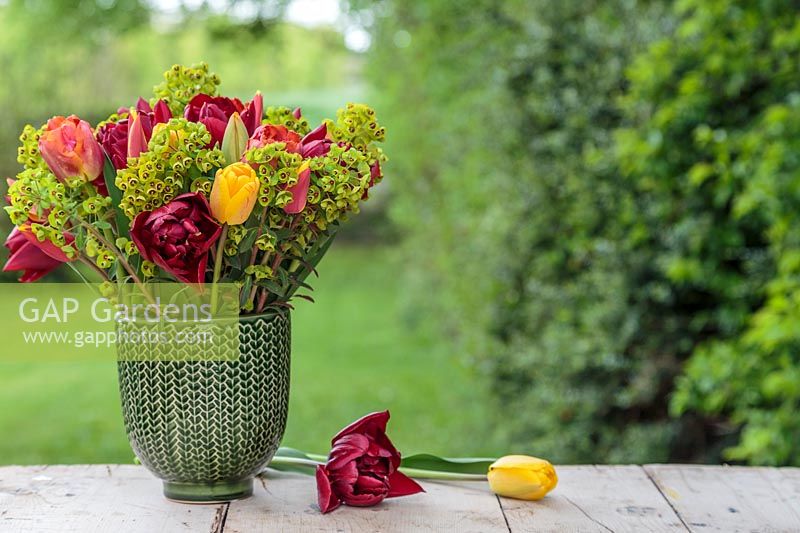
715,165
500,116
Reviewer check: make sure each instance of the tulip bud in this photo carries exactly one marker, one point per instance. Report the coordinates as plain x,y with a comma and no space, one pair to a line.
234,193
137,140
522,477
235,140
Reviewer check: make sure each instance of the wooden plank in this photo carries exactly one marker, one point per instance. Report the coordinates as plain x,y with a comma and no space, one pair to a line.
731,499
288,502
595,498
93,498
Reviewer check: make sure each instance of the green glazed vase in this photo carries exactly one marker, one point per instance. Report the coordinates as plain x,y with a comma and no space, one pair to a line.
206,428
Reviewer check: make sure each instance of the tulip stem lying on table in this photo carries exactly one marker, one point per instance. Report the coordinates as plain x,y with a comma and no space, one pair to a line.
412,472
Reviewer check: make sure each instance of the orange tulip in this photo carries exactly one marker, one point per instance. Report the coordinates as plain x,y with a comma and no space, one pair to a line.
234,193
70,150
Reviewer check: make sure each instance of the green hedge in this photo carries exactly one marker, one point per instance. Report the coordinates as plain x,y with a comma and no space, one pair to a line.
595,193
715,162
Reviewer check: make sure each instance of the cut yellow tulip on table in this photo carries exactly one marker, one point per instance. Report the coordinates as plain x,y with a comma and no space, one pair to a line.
522,477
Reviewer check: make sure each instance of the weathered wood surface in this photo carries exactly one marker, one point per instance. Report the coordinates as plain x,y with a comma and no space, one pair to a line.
731,499
119,499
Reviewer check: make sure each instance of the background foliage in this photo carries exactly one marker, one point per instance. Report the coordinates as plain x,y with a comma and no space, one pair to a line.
612,195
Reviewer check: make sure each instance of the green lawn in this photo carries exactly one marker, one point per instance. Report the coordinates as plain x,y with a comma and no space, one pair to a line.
352,353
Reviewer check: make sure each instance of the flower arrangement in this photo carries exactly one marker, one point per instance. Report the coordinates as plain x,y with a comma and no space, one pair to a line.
198,188
192,187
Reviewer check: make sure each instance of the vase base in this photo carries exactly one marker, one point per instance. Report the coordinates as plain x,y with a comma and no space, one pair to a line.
221,492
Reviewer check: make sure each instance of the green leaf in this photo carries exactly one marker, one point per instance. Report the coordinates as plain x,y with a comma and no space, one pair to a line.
110,176
461,465
314,257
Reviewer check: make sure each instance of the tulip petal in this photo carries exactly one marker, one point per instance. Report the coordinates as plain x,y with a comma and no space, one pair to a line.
346,449
522,477
402,485
48,247
326,499
25,256
316,135
137,141
299,192
161,113
216,127
253,112
368,424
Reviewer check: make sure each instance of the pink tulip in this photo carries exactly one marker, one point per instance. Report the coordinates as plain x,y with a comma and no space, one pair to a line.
137,140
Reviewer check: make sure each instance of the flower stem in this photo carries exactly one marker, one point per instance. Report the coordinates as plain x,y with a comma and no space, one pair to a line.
280,460
314,460
218,267
91,264
120,258
436,474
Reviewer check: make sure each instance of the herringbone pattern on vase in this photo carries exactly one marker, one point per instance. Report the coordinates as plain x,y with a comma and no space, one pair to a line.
198,421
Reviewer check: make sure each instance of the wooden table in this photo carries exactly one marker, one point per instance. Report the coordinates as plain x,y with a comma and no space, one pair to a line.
123,498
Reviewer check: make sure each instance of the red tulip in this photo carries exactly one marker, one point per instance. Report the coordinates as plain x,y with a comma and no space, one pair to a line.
362,467
69,148
269,133
375,173
113,136
299,191
34,258
215,111
253,112
177,236
316,143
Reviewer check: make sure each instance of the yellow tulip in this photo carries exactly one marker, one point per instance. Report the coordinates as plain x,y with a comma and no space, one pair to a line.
234,193
522,477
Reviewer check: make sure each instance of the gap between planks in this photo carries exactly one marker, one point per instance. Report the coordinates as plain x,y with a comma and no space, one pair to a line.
503,511
658,488
218,525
